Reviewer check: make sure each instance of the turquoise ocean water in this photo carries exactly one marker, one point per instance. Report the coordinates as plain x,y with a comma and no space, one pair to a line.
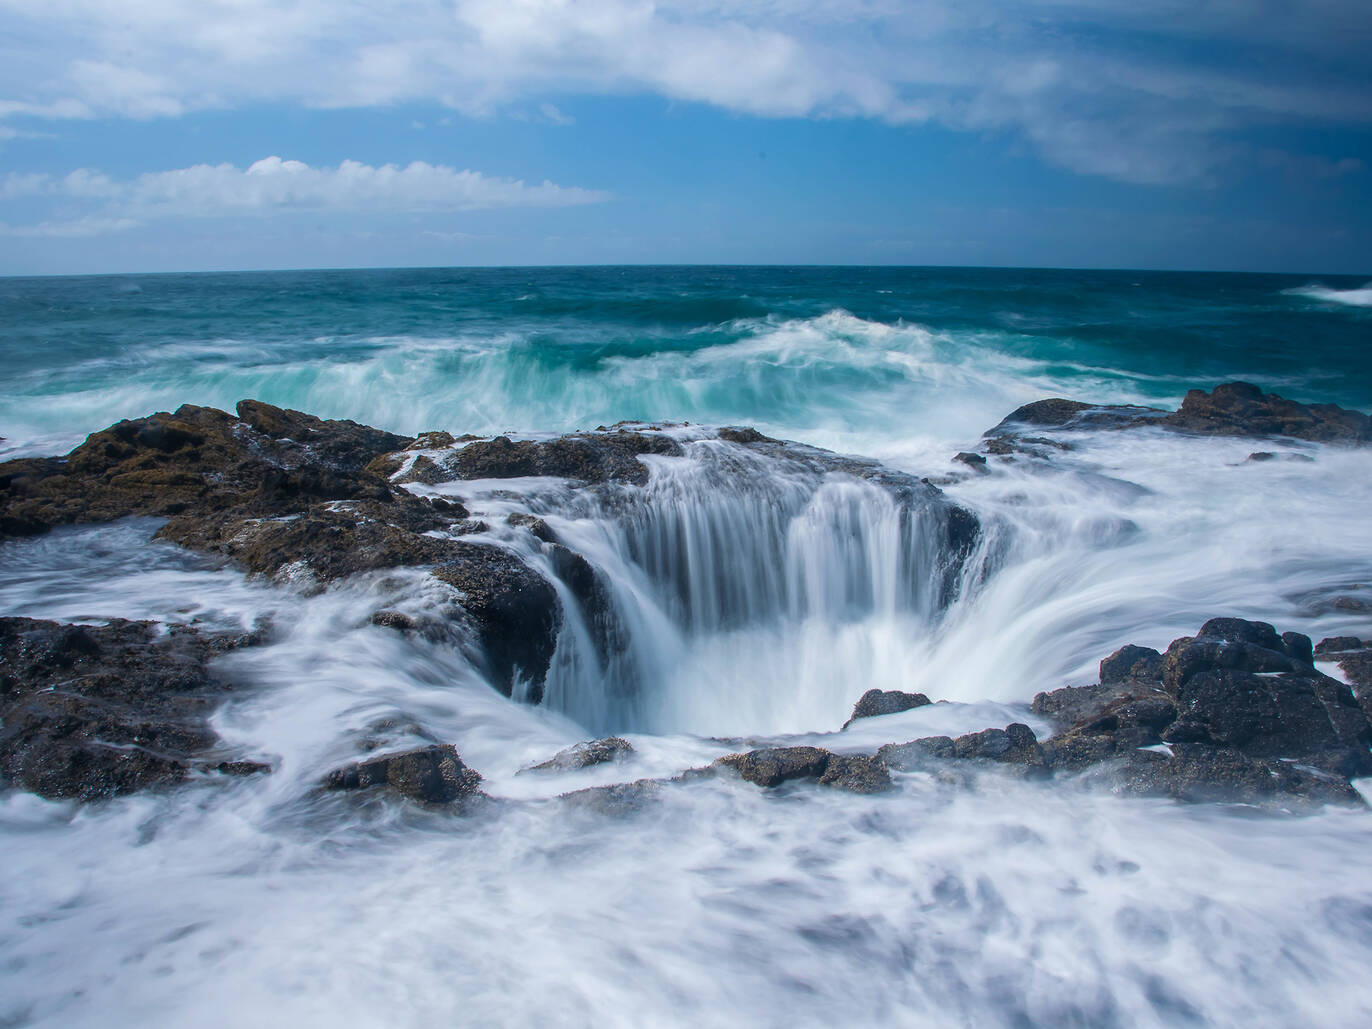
837,355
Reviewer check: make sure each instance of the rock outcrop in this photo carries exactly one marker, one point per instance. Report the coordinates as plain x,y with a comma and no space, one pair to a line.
91,712
1235,712
1232,409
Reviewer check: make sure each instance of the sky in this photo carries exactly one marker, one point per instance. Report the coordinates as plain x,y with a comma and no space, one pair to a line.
170,135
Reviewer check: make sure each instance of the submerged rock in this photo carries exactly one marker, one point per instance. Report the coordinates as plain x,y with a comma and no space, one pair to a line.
585,755
430,775
90,712
874,703
619,799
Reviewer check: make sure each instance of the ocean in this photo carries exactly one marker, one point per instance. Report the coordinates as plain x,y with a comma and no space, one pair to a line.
1003,902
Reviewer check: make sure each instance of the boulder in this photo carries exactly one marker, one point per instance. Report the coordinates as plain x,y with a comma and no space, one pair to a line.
430,775
775,765
885,702
620,799
585,755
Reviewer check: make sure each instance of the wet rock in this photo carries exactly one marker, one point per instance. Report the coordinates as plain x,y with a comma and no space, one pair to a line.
396,620
1239,685
1197,773
1131,663
1232,409
433,439
1016,744
197,462
874,703
858,773
776,765
1242,409
973,461
536,526
514,610
585,755
917,754
430,775
1241,708
736,434
91,712
610,456
1332,645
619,799
772,766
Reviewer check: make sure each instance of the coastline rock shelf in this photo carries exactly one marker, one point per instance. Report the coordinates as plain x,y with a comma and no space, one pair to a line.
1236,713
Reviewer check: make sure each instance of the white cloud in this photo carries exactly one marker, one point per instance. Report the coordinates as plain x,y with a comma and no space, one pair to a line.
1147,91
276,185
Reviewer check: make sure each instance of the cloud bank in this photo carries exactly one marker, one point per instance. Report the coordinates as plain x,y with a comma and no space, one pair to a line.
276,185
1149,92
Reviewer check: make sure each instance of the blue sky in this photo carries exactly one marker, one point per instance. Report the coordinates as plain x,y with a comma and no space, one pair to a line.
223,134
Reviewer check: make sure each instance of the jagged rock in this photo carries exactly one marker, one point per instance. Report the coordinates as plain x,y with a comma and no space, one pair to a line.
1244,711
1240,685
397,620
1232,409
874,703
90,712
1016,744
514,609
430,775
610,456
433,439
584,755
1328,647
858,773
1198,773
917,754
776,765
619,799
1130,663
1242,409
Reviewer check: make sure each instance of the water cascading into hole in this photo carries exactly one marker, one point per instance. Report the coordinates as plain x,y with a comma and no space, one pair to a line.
741,592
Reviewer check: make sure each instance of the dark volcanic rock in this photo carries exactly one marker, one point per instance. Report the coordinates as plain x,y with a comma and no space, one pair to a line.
91,712
430,775
1242,409
1233,409
514,609
1239,685
196,460
1197,773
1241,708
885,702
584,755
917,754
776,765
1013,745
610,456
1143,664
858,773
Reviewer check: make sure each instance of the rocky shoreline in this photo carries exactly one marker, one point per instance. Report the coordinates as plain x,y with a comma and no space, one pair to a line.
1237,713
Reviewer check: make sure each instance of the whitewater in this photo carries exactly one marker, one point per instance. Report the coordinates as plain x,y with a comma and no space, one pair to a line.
756,601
